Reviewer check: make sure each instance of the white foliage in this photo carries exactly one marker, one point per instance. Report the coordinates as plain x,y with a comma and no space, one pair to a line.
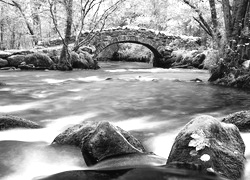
199,140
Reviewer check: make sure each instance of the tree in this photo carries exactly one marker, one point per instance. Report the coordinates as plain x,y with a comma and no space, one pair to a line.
88,7
213,30
28,25
236,18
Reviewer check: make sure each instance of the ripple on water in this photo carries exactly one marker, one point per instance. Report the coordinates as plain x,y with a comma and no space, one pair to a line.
91,79
20,107
57,81
140,123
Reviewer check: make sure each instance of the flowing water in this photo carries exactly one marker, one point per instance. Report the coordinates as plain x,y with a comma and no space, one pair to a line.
153,104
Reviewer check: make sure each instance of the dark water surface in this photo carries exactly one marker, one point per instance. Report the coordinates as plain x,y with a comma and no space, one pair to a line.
153,104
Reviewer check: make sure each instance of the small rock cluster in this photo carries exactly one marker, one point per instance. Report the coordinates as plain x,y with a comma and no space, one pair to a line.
24,60
45,58
183,59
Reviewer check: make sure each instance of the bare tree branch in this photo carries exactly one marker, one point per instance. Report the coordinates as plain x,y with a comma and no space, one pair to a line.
7,2
202,20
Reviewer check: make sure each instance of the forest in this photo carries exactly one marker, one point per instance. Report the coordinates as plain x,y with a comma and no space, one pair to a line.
124,89
222,26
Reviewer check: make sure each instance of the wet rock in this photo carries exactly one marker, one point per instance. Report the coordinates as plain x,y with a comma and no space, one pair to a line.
24,66
15,60
142,173
99,140
8,68
196,80
39,60
215,146
83,60
3,63
240,119
78,61
105,142
11,122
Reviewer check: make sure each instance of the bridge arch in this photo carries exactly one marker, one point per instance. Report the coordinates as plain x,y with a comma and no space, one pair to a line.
155,52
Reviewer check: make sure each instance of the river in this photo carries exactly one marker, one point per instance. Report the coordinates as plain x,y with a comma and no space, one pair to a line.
152,103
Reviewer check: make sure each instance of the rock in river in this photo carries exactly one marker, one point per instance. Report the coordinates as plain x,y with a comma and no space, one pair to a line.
15,60
38,60
215,146
99,141
10,122
240,119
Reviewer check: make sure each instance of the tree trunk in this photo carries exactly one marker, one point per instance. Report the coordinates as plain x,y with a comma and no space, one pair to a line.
2,31
240,11
237,28
31,31
35,16
215,31
227,19
64,62
55,18
13,38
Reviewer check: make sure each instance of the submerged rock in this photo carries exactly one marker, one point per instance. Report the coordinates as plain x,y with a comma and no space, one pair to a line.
240,119
142,173
11,122
99,141
215,146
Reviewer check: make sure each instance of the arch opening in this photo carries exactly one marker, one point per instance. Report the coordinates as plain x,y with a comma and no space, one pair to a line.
154,51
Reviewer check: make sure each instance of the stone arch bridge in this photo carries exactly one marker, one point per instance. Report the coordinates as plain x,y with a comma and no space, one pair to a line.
155,41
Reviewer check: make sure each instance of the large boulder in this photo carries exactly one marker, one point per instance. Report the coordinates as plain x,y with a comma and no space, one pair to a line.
3,62
11,122
215,146
15,60
107,141
78,62
83,60
99,140
240,119
39,60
